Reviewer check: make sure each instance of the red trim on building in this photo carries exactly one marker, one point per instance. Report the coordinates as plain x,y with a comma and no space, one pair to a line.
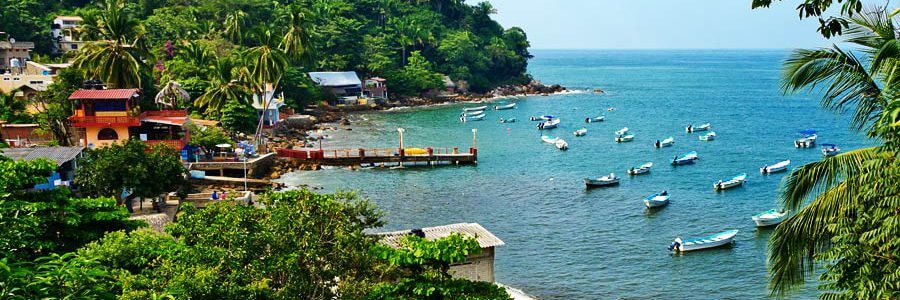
110,94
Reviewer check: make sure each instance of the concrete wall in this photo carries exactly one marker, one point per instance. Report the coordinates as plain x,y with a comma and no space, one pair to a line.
476,267
91,136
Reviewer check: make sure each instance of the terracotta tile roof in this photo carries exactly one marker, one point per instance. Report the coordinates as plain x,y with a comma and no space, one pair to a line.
485,238
104,94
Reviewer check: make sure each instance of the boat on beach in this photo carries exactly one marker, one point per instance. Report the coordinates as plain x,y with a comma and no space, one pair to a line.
642,169
477,108
829,150
548,124
607,180
595,119
543,118
561,144
549,139
624,138
503,107
687,158
581,132
510,120
657,200
774,168
735,181
708,136
703,127
712,241
770,217
471,118
807,139
665,143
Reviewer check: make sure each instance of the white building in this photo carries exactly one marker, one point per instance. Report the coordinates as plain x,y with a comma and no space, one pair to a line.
64,32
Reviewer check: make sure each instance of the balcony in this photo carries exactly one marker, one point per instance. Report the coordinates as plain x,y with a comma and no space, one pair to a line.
90,121
175,144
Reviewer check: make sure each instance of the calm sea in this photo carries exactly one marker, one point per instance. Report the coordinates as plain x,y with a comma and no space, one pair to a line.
565,242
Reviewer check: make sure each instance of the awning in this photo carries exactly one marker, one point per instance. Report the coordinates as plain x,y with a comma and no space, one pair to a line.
174,121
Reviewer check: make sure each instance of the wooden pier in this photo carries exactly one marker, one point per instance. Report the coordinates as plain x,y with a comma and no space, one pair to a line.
382,156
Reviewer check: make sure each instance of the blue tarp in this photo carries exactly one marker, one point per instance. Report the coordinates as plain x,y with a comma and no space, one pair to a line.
808,132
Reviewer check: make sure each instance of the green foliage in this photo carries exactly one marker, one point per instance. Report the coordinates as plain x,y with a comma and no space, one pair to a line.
238,117
416,77
207,136
66,276
830,26
12,110
134,167
55,108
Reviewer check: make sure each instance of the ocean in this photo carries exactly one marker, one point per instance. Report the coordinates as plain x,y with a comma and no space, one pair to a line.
566,242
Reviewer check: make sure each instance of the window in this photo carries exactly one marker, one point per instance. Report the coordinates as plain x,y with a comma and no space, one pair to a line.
15,78
35,82
107,134
74,46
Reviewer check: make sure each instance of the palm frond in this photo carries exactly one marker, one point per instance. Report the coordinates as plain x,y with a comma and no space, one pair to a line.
817,177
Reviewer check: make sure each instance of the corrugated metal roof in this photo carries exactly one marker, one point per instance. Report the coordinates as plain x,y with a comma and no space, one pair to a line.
60,155
485,238
104,94
335,78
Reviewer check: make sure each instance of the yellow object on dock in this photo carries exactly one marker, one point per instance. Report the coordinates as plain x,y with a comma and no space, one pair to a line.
415,151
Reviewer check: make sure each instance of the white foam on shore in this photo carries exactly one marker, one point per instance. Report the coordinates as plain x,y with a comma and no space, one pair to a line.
485,100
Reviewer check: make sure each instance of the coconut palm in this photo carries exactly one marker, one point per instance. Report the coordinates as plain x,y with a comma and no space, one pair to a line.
225,86
296,41
267,67
117,58
837,187
234,22
172,95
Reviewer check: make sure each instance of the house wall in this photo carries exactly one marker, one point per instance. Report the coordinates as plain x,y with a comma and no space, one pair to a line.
476,267
9,82
91,136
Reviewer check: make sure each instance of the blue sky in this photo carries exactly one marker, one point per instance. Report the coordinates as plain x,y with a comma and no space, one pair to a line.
658,24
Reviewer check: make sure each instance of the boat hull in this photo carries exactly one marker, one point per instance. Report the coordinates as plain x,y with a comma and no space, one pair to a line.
766,222
600,183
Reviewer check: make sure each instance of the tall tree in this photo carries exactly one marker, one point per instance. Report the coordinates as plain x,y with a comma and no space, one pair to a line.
118,57
225,86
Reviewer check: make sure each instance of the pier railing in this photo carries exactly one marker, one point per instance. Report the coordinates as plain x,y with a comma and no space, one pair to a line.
376,155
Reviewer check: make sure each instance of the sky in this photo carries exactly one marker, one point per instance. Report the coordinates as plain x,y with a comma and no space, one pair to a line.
658,24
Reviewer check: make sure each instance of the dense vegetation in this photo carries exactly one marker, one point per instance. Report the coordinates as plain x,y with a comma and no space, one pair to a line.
300,246
847,218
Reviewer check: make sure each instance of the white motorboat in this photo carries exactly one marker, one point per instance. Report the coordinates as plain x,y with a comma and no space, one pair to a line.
703,127
470,109
624,138
548,124
510,120
642,169
581,132
622,131
807,139
549,139
770,217
687,158
503,107
733,182
543,118
829,150
595,119
607,180
665,143
471,118
708,136
774,168
716,240
657,200
561,144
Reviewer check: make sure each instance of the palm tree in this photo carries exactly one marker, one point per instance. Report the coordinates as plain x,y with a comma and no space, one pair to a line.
835,185
268,65
234,22
296,41
225,86
117,58
409,33
172,95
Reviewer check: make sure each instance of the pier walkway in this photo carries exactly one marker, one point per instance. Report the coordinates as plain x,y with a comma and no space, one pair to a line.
382,156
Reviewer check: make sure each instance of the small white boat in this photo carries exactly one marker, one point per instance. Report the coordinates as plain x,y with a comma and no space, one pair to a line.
561,144
470,109
657,200
543,118
622,131
777,167
733,182
642,169
611,109
507,106
624,138
716,240
687,158
692,128
549,140
770,217
808,139
471,118
665,143
548,124
829,150
607,180
708,136
510,120
595,119
581,132
471,113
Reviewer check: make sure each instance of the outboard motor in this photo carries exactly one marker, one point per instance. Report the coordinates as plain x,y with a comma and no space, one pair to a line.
675,245
672,246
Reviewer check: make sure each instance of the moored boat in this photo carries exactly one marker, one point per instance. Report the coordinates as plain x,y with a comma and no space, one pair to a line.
770,217
708,136
607,180
561,144
549,139
624,138
543,118
733,182
691,128
471,118
507,106
581,132
774,168
471,113
665,143
622,131
548,124
510,120
470,109
642,169
657,200
595,119
712,241
829,150
687,158
807,139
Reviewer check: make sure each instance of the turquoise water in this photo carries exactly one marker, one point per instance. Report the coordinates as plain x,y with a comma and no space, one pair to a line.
566,242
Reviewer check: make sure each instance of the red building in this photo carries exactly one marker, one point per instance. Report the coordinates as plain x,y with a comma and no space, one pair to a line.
112,115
